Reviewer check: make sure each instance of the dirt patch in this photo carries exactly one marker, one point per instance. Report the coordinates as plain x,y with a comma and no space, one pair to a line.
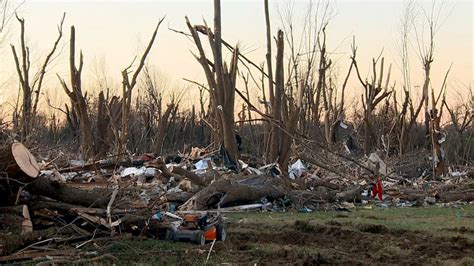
373,228
459,230
310,242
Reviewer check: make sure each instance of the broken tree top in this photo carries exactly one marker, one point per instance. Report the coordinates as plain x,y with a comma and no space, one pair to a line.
19,158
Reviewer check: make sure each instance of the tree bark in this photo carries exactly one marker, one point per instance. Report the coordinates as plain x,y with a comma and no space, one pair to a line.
227,191
62,192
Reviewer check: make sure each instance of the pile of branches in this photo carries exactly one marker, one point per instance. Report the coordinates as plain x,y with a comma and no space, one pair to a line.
59,209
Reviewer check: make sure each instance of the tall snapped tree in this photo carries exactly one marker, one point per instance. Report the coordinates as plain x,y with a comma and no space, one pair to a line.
127,87
78,99
221,79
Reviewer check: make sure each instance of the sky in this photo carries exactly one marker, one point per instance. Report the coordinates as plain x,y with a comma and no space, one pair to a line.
111,33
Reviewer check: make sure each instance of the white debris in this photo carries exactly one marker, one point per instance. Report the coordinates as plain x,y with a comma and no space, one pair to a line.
132,171
203,165
297,169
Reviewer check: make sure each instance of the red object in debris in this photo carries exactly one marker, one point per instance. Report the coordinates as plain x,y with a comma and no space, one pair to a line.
377,189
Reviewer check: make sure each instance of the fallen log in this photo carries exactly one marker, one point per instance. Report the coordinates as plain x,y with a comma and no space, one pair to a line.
159,164
235,191
467,195
326,183
414,196
62,192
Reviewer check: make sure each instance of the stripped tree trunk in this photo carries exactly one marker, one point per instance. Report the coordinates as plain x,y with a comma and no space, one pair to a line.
78,99
30,104
127,88
221,80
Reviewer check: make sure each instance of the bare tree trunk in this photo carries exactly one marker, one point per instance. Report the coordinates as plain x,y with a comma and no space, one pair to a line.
163,127
23,73
374,93
222,82
29,109
273,148
426,84
78,99
102,126
127,88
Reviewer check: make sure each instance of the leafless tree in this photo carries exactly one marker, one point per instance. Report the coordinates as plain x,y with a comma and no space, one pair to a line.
8,9
220,78
374,92
78,110
425,35
127,88
461,117
30,102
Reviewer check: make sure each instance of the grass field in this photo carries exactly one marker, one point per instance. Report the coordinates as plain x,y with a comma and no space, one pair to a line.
397,236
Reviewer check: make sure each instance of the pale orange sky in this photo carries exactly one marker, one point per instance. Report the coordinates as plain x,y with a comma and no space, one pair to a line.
111,33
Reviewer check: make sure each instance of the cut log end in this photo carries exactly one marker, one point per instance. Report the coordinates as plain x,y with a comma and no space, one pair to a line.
25,160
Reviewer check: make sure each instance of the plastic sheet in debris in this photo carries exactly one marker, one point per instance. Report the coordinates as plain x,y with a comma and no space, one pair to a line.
134,171
297,169
203,165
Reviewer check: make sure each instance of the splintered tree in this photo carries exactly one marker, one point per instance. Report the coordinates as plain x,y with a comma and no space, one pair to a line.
78,100
374,92
433,19
127,88
30,101
284,108
437,136
220,78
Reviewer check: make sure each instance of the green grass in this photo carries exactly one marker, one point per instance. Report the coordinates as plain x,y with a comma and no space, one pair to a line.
437,220
434,220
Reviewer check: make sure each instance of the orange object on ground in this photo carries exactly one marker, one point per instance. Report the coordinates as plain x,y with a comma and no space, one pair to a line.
211,234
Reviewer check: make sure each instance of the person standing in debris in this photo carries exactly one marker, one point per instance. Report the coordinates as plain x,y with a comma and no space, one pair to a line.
377,183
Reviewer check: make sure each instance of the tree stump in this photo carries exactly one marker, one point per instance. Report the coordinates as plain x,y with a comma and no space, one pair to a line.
16,159
17,167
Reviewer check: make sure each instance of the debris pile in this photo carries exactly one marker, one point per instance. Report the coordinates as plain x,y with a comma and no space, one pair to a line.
183,197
